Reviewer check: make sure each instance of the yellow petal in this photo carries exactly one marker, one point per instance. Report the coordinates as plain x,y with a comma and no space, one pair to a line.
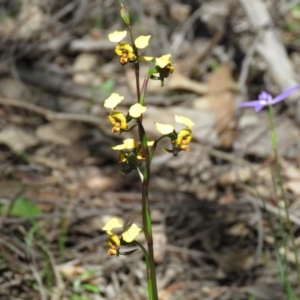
147,58
121,47
127,144
150,143
131,234
184,137
163,60
136,110
112,251
142,41
113,240
111,224
117,36
113,100
122,157
140,155
118,119
118,147
184,120
164,128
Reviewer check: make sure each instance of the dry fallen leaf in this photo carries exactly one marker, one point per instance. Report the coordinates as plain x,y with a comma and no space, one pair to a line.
160,241
17,138
178,81
83,69
293,186
10,88
223,103
61,132
100,183
239,229
180,12
32,17
289,170
254,138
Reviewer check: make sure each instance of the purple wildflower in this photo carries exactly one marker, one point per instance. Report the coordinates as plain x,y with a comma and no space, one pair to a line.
265,99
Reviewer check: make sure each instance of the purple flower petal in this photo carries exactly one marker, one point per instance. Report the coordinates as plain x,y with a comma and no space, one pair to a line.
265,99
284,94
252,103
260,106
264,96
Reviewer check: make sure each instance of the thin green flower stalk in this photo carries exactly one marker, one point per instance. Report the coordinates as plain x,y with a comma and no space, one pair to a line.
266,100
151,287
280,262
283,194
126,18
283,263
138,155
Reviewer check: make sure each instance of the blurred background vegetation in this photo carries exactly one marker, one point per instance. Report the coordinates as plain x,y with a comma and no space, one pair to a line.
60,181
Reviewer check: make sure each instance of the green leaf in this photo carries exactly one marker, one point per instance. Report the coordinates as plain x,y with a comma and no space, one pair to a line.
108,85
91,288
126,171
23,207
78,297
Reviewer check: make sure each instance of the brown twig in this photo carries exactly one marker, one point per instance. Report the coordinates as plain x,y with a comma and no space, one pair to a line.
49,114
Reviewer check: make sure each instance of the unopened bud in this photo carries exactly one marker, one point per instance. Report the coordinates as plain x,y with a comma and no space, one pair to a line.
125,15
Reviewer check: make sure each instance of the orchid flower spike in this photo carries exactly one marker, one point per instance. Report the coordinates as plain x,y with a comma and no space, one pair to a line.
265,99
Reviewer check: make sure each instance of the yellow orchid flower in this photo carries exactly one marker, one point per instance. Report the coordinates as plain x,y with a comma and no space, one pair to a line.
163,68
117,118
126,53
128,235
129,145
163,61
166,66
181,139
125,50
184,136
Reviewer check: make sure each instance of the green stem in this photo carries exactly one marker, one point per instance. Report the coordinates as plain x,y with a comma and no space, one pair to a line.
151,274
274,234
143,92
283,263
286,207
147,224
149,279
136,66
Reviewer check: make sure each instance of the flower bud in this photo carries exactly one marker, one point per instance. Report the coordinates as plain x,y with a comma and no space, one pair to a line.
125,15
